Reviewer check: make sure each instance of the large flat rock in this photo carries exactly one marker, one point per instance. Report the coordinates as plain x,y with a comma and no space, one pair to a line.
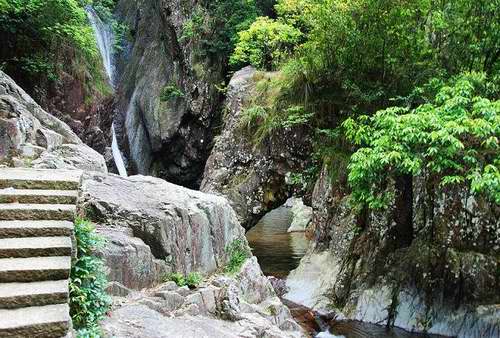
141,321
188,229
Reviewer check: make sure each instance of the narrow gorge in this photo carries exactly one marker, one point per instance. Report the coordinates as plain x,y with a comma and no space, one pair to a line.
249,168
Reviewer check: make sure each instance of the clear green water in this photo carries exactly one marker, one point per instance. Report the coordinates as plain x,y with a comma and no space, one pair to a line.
277,251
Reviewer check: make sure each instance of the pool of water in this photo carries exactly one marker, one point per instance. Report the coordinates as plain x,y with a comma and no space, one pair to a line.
277,251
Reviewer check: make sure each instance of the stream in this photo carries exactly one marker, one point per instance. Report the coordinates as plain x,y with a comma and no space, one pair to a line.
279,252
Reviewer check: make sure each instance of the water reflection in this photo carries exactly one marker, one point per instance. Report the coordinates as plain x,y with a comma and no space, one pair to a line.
278,252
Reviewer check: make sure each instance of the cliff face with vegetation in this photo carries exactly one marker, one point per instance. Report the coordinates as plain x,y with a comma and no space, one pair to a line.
405,228
369,268
255,177
168,90
382,115
49,50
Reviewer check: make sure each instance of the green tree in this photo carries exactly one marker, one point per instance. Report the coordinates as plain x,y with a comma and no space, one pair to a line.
43,38
453,138
266,44
214,27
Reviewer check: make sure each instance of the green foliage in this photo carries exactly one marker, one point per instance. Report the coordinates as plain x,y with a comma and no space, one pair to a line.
238,252
266,44
176,277
269,111
214,27
36,66
354,56
371,50
253,116
360,56
43,38
192,280
88,299
454,138
170,92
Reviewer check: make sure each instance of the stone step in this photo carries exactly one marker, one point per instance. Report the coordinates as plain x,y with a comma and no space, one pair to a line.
47,321
35,247
14,229
53,179
31,196
16,211
16,295
34,269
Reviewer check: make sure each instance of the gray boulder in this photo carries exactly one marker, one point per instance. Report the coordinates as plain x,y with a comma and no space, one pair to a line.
301,214
154,226
72,156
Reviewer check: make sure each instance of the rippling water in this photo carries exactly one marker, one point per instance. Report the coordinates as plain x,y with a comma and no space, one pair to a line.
278,252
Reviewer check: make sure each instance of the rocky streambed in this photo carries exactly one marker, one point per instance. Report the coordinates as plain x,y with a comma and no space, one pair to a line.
279,252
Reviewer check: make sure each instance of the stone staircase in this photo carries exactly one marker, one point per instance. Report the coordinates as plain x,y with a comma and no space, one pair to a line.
37,209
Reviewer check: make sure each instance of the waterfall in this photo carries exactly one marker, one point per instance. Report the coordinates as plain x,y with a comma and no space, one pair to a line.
105,40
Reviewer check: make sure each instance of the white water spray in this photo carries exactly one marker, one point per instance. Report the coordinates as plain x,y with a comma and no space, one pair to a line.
105,40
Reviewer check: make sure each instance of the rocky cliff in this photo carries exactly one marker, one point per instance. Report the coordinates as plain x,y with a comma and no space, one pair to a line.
151,228
31,137
253,176
167,93
436,272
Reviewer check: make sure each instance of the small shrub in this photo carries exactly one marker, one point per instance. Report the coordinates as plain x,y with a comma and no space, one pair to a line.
170,92
238,253
176,277
193,280
253,116
88,299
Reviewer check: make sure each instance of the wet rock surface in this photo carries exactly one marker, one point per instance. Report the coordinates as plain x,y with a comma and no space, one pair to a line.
253,177
365,268
243,305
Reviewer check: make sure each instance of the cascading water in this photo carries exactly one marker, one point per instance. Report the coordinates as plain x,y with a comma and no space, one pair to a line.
117,155
105,41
